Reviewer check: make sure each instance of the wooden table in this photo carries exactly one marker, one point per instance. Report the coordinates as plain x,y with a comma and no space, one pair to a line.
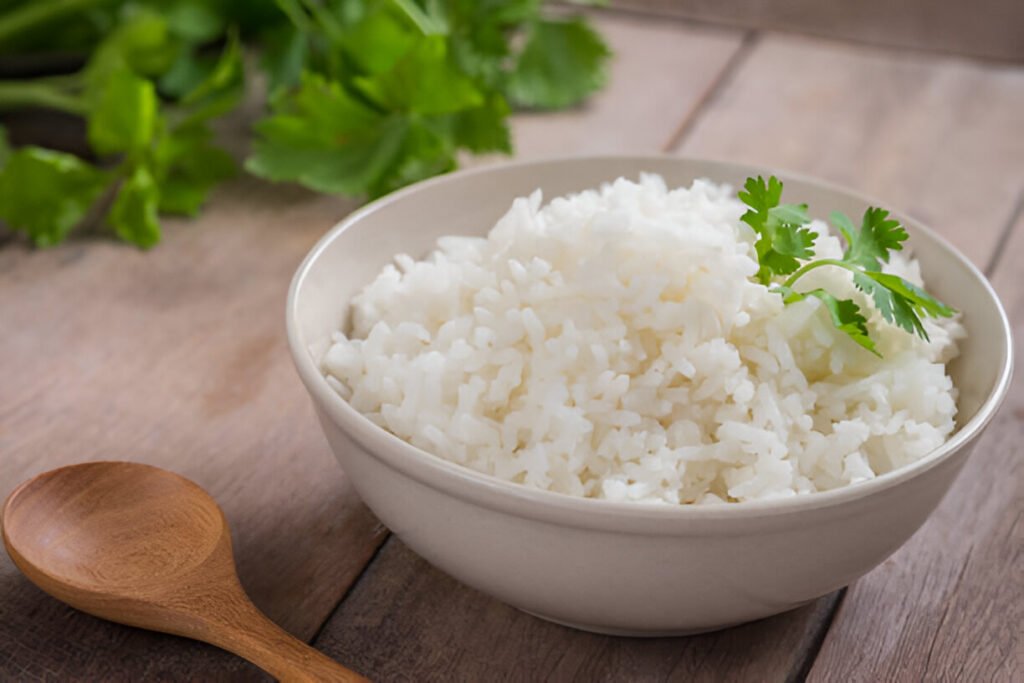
177,358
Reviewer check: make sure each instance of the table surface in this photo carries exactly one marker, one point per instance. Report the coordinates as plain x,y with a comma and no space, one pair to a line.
177,358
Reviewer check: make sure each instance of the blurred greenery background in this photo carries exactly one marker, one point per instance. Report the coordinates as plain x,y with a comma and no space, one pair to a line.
359,97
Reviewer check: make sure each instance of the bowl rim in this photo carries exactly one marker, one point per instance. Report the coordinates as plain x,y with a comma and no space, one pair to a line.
490,491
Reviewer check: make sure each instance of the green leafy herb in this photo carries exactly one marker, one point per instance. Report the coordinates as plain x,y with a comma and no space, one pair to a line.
785,248
560,64
845,313
195,20
869,247
364,96
188,165
285,51
150,155
219,91
123,116
134,213
326,139
392,90
44,193
782,240
900,302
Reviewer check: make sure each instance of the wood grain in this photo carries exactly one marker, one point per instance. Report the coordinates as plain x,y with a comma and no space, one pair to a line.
142,546
983,28
406,620
939,138
949,605
177,358
660,71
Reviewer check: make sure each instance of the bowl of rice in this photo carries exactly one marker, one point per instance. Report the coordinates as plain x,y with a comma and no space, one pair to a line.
562,383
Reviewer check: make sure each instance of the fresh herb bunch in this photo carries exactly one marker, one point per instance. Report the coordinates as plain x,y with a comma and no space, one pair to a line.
391,91
785,251
147,92
364,96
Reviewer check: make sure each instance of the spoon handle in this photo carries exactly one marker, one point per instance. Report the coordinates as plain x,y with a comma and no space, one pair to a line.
252,636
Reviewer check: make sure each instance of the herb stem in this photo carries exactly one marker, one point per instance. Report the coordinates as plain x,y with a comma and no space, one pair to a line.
327,21
19,94
73,81
33,14
293,10
423,22
807,267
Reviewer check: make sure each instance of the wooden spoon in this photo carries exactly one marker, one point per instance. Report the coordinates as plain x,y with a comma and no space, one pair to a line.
145,547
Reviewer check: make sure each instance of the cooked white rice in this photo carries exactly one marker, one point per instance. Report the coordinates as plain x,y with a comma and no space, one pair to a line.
612,344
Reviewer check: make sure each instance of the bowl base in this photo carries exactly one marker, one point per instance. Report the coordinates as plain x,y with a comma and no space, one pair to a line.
631,633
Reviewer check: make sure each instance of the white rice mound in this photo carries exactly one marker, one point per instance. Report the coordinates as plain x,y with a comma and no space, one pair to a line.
614,345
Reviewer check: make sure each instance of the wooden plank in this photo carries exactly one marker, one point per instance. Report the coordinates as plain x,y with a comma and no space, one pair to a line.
659,72
983,28
405,620
938,138
176,357
947,606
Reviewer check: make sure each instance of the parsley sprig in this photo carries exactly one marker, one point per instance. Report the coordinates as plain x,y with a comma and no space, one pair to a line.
785,252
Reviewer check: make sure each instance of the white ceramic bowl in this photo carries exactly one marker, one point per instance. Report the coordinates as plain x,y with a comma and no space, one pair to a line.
618,567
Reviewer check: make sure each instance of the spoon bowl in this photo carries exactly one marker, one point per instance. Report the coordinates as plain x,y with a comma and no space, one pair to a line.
162,527
145,547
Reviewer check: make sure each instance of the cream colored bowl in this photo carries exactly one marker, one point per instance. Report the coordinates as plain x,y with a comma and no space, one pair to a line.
618,567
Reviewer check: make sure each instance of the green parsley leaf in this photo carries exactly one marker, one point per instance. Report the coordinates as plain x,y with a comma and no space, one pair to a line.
424,81
424,152
134,213
561,63
326,139
220,91
124,115
900,302
484,128
761,196
479,31
189,165
285,50
142,44
869,247
194,20
790,214
44,193
185,74
782,240
845,313
380,39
